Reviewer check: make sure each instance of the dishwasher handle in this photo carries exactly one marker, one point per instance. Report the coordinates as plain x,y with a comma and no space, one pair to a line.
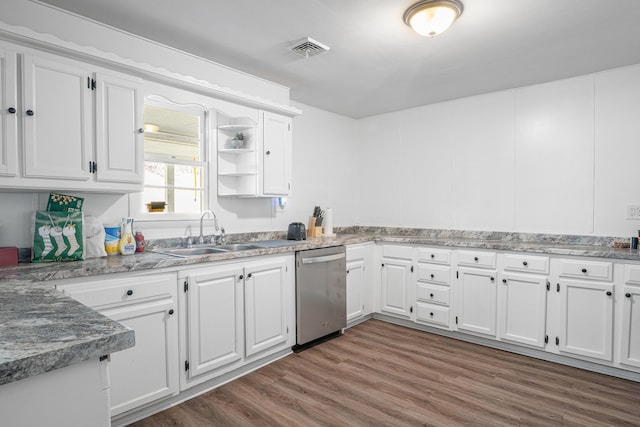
326,258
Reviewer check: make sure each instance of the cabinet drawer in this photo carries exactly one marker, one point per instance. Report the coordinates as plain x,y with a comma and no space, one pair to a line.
477,259
434,274
436,256
355,252
397,251
586,269
428,313
117,291
435,294
632,274
526,263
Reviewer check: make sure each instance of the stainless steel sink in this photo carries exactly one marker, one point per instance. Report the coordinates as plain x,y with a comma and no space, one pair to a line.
185,252
240,247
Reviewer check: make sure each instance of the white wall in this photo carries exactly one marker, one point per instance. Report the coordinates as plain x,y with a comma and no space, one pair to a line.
560,157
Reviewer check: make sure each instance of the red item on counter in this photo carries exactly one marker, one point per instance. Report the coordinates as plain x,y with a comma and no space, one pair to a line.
139,242
9,256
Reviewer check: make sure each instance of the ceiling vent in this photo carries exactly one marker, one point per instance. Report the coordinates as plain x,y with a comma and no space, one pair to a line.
308,47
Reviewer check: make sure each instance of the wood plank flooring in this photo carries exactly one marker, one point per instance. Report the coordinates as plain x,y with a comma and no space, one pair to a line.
379,374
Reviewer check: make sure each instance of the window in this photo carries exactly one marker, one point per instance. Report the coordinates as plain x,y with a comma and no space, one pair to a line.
174,158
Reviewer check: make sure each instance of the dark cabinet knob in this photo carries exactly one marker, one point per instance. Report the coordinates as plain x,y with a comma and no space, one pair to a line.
347,271
432,276
431,295
268,152
432,256
608,293
525,263
141,130
492,278
628,295
241,277
171,311
504,280
129,292
475,258
29,112
11,110
584,270
431,314
249,276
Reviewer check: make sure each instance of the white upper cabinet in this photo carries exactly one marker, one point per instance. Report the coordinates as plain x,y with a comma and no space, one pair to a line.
8,113
277,154
119,145
56,118
80,125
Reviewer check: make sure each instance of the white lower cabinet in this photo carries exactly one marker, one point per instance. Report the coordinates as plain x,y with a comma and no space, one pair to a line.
235,313
359,280
396,284
630,342
523,309
477,301
586,319
147,304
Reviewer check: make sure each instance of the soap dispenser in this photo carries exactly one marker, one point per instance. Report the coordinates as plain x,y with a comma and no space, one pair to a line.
127,245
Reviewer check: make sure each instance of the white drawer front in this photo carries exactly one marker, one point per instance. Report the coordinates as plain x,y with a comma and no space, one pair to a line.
477,259
526,263
632,274
586,269
397,251
116,291
428,313
435,294
434,273
436,256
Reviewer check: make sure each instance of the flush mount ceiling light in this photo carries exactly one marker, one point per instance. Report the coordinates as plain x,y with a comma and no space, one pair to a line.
432,17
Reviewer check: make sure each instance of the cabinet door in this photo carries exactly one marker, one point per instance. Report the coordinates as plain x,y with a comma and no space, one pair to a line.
586,318
119,146
277,154
265,306
631,327
523,303
355,289
396,298
149,370
215,311
8,119
57,119
477,301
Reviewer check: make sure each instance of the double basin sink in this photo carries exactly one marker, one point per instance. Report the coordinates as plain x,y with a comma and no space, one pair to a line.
233,247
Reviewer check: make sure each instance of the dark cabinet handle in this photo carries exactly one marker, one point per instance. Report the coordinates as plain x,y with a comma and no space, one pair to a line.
431,314
492,278
241,277
249,276
129,292
628,295
432,256
584,270
504,280
475,258
29,112
608,293
11,110
347,271
268,152
525,263
432,276
171,311
141,130
431,295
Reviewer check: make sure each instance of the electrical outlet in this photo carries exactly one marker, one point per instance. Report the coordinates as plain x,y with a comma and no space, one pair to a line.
633,211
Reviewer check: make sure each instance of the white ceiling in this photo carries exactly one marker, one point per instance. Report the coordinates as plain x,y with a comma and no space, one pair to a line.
376,63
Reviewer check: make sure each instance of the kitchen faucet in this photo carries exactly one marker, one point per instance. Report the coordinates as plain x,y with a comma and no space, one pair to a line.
215,223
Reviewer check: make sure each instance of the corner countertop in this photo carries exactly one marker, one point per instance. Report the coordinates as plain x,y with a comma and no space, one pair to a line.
42,330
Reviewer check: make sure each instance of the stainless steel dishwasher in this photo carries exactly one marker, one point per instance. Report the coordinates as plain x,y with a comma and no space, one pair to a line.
321,287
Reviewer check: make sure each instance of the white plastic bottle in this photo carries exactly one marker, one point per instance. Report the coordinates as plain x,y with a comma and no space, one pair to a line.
127,245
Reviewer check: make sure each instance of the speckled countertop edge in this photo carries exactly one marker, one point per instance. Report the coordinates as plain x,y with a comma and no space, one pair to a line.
43,330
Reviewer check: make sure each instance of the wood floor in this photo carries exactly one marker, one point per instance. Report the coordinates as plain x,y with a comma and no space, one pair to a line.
378,374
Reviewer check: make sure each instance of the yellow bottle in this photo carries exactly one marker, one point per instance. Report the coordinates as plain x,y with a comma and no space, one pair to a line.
127,245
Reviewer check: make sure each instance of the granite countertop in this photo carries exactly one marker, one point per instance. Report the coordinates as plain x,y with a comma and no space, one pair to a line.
42,330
